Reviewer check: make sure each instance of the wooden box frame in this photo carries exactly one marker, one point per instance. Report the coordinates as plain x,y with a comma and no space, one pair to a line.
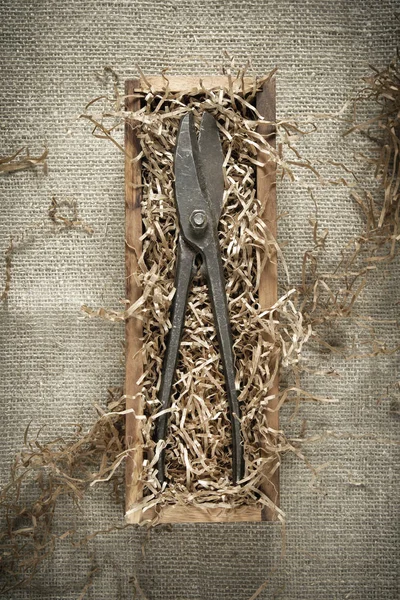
266,189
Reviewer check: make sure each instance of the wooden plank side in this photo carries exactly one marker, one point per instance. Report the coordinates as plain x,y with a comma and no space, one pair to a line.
175,513
268,293
134,367
182,83
133,326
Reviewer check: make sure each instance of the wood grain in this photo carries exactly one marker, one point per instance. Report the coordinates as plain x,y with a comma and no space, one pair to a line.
178,83
268,294
133,326
176,513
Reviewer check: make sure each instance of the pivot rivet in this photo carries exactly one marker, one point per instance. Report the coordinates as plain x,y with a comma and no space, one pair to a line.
198,219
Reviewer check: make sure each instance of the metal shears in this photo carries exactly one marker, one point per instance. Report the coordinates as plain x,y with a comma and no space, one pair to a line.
199,188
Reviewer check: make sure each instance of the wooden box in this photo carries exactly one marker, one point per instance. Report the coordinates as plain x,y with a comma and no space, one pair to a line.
266,189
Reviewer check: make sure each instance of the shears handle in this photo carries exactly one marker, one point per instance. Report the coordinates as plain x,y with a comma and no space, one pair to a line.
216,284
185,264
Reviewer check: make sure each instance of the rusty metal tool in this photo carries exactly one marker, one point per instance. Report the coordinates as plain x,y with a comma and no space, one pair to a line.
199,187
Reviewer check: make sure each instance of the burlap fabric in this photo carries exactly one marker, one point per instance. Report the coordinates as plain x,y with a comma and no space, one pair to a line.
341,538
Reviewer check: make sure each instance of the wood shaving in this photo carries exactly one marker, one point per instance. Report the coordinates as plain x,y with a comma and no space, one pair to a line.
55,469
58,222
19,162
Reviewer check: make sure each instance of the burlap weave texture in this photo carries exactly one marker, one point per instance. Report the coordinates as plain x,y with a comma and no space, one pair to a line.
342,539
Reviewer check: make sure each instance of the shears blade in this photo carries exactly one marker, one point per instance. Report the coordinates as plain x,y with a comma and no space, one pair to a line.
212,161
199,168
190,186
